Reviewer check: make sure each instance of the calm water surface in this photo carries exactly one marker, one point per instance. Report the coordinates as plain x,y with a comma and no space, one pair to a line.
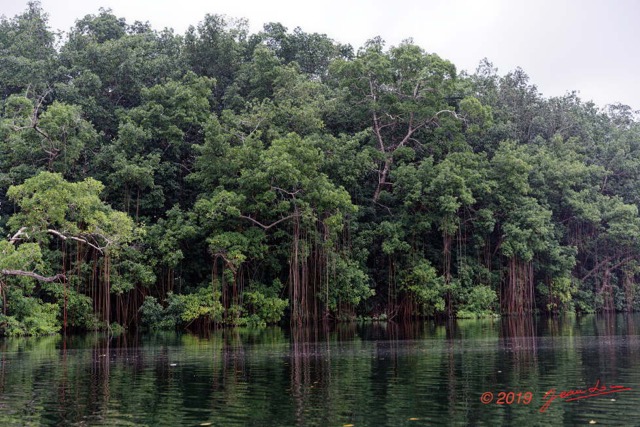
360,374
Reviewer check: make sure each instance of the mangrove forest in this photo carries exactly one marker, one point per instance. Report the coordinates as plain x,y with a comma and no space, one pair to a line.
222,177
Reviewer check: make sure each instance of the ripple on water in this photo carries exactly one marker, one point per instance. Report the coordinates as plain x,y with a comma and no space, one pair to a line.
358,377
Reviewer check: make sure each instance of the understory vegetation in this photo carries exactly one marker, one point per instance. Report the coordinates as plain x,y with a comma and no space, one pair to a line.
220,177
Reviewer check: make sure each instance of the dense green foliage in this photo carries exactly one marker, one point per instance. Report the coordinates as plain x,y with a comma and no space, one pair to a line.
222,177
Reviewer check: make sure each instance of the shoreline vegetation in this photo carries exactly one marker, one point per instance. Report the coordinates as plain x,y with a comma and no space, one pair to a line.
218,177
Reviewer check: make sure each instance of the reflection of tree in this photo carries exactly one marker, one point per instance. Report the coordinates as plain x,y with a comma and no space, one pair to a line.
344,331
63,385
310,373
373,374
233,358
518,335
80,379
632,355
607,338
617,345
451,368
3,367
100,369
300,376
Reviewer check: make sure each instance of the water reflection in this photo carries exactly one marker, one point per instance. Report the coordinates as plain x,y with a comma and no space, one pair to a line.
362,374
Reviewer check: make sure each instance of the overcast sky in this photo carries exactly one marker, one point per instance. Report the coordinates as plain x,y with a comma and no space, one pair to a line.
592,46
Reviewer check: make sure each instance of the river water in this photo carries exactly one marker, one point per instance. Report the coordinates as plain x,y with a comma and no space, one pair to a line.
490,372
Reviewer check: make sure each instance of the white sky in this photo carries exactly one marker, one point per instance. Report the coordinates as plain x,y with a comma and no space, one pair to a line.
592,46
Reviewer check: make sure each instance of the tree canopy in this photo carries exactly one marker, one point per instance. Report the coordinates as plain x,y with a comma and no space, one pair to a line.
223,177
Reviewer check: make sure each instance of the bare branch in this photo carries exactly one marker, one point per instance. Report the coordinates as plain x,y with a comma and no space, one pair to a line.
36,110
16,236
77,239
292,194
36,276
384,206
227,261
377,127
416,90
41,132
266,227
453,113
605,261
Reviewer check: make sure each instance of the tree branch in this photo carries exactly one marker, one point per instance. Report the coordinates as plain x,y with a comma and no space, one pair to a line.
266,227
16,236
453,113
291,193
77,239
36,276
602,263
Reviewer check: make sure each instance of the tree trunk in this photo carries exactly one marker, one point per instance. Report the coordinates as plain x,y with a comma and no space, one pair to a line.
518,292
